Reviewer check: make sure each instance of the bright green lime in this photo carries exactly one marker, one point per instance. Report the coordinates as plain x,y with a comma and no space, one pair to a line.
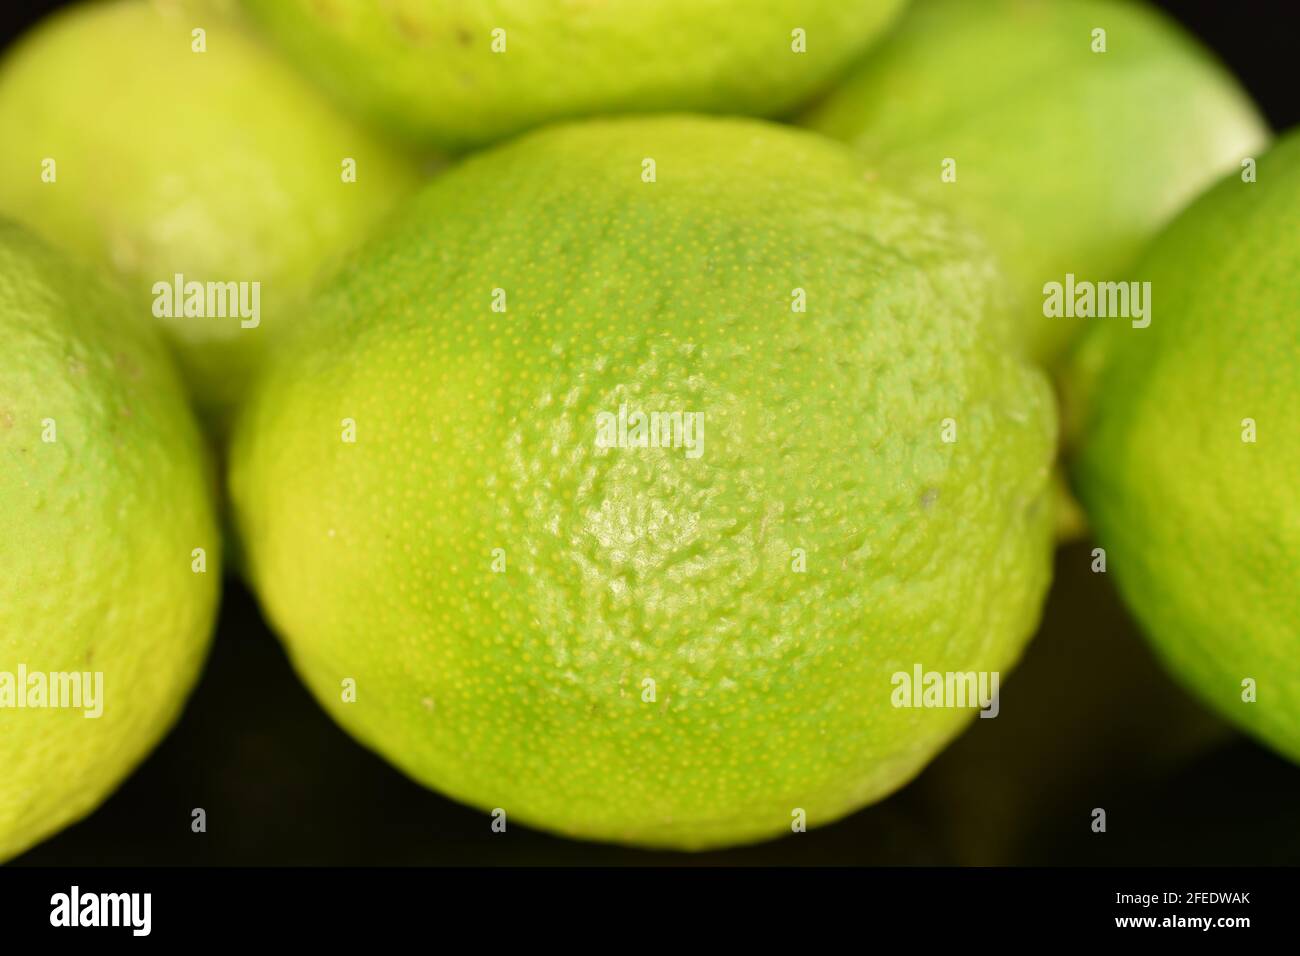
683,645
126,142
1189,448
105,515
1067,158
463,74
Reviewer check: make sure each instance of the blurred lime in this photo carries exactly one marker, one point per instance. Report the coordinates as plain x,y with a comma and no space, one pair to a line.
126,143
1067,158
107,496
464,74
1189,448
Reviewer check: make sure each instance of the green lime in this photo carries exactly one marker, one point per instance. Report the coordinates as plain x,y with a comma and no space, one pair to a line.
1069,132
620,479
1189,448
462,74
161,143
110,560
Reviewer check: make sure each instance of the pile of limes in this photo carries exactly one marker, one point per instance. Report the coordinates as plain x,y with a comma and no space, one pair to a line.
606,457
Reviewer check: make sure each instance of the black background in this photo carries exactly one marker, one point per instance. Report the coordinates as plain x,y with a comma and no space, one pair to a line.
1088,720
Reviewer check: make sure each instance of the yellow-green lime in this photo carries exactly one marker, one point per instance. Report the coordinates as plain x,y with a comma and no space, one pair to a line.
110,559
1069,132
160,142
463,74
1189,448
683,633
